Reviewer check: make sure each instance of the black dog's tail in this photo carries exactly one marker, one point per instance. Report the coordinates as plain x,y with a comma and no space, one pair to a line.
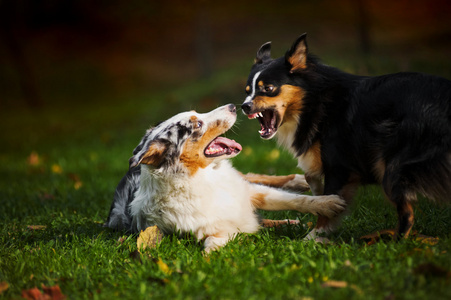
434,179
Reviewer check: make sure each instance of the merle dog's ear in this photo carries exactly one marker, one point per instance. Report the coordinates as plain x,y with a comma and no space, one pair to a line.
263,54
297,55
143,141
151,154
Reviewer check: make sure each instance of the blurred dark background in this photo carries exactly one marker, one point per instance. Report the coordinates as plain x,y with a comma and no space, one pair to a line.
58,48
87,56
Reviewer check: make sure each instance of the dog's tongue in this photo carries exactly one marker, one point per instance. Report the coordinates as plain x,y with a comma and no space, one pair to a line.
221,145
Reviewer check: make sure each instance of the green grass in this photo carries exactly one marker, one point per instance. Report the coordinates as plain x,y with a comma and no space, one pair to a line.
82,153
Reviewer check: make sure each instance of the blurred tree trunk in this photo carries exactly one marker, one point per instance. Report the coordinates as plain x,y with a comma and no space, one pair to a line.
10,24
203,42
363,25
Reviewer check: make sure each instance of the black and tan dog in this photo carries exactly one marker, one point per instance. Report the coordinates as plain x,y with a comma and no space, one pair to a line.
346,130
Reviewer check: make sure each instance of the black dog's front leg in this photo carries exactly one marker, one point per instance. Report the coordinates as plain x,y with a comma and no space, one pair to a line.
334,185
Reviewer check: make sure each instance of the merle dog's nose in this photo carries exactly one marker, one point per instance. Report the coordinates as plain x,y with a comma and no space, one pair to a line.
246,107
232,108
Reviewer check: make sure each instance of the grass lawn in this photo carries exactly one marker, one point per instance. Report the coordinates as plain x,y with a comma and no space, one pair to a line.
59,169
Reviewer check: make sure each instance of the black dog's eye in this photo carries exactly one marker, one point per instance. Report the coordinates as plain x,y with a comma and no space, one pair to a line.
269,88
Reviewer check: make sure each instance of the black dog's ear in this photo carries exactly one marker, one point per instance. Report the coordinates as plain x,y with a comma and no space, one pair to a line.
297,55
263,54
153,155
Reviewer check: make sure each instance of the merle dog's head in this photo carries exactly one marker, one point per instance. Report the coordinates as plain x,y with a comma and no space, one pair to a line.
275,87
188,141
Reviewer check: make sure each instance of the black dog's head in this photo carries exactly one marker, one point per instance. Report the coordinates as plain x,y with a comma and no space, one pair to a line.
275,87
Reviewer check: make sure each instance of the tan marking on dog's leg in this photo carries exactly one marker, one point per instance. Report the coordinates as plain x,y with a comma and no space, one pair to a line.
405,220
258,200
275,199
312,164
379,169
276,223
294,182
274,181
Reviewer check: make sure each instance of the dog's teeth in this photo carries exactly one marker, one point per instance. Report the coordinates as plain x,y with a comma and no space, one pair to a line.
260,115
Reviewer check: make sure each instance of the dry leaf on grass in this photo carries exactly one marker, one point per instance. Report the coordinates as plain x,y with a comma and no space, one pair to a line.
335,284
340,285
34,294
36,227
376,236
426,239
76,180
50,293
149,238
33,159
56,169
3,286
163,267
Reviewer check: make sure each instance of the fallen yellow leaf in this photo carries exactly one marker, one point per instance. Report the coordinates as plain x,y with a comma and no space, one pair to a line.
429,240
3,286
340,285
78,185
57,169
36,227
376,236
76,179
149,238
335,284
33,159
163,267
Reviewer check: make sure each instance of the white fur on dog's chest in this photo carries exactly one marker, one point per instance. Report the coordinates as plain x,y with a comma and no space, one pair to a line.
307,161
191,203
285,136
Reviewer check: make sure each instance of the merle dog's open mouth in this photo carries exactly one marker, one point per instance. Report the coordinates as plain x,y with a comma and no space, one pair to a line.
222,146
268,122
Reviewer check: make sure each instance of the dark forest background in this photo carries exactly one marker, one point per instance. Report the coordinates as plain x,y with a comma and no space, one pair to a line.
80,50
105,70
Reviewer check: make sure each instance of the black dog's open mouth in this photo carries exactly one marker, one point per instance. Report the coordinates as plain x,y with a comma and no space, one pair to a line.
268,122
222,146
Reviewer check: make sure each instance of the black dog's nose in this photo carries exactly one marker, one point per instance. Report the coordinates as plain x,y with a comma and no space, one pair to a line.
232,108
246,107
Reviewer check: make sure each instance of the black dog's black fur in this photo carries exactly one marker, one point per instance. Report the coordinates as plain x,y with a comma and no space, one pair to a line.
394,130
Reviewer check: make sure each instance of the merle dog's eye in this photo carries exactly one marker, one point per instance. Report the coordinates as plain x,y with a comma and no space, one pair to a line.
199,124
